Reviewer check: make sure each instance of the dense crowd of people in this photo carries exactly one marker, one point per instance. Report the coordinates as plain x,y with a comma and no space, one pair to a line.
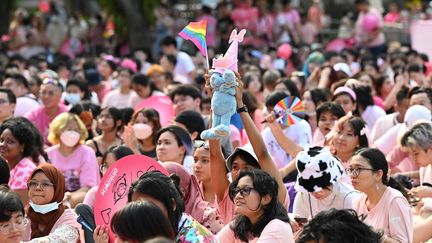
356,168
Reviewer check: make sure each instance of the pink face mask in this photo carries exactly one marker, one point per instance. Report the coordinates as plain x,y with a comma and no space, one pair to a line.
70,138
142,131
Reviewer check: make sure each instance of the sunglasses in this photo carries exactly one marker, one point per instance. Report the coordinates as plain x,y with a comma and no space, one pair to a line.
244,192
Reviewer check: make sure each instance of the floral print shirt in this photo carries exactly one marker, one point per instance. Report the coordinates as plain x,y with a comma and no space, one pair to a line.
190,231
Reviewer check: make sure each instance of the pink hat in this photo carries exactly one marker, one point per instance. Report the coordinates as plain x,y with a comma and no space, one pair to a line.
345,89
128,63
229,60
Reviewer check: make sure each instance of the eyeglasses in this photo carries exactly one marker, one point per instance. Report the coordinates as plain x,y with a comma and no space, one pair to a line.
244,192
354,172
19,224
3,101
200,143
42,185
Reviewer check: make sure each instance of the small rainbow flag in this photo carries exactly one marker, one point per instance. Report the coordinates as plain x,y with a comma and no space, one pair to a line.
196,32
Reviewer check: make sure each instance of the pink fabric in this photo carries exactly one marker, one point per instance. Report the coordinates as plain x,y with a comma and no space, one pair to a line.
194,203
378,101
318,138
392,17
227,209
90,196
20,174
258,118
41,120
235,134
361,34
69,217
275,231
80,168
398,158
392,214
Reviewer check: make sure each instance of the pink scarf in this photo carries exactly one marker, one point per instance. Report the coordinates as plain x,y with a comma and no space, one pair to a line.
192,196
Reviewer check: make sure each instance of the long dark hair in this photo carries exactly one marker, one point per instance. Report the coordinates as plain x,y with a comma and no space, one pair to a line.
378,161
264,184
140,221
163,189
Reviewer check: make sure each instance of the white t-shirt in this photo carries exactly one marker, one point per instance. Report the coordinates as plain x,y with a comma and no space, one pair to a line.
340,198
300,133
25,104
184,66
371,115
383,124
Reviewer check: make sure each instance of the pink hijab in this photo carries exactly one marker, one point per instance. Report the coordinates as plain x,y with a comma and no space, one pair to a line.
192,196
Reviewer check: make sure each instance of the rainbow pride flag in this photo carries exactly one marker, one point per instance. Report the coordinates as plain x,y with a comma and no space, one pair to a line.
196,32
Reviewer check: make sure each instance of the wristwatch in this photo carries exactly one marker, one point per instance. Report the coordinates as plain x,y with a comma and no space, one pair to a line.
242,109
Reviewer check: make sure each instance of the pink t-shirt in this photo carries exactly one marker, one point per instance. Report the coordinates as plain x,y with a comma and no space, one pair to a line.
80,168
90,196
392,214
276,231
227,209
20,174
41,120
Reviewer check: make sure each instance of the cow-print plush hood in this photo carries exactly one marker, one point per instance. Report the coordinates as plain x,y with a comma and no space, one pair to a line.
317,169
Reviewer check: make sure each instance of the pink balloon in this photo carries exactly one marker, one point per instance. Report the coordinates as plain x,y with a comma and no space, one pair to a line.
284,51
114,187
162,104
370,22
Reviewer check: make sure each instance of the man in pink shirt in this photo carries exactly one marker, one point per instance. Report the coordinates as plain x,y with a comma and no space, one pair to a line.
41,117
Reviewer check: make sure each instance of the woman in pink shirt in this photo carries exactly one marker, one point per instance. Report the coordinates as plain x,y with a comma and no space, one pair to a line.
19,147
76,161
259,215
385,208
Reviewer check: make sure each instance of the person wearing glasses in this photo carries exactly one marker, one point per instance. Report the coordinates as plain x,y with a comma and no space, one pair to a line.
383,201
259,215
12,217
50,219
19,148
50,95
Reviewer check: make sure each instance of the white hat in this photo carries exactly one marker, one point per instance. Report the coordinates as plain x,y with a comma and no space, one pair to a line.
343,67
317,169
246,148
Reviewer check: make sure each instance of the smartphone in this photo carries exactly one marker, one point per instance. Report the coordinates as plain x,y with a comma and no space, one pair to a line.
301,220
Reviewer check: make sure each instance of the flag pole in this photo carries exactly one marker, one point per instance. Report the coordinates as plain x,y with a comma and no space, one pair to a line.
207,59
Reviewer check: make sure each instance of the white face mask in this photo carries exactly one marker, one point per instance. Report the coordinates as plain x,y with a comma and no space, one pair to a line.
70,138
142,131
73,98
44,209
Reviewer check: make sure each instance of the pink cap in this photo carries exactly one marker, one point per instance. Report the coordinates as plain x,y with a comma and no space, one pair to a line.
345,89
128,63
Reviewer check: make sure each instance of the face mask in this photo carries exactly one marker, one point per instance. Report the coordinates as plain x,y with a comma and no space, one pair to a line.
142,131
70,138
73,98
44,209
